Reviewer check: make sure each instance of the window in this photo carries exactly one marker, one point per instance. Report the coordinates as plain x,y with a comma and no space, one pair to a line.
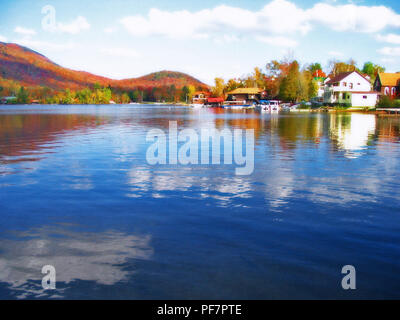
387,90
351,86
344,84
365,97
393,91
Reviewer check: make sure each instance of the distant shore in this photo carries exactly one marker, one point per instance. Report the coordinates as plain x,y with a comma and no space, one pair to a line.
180,104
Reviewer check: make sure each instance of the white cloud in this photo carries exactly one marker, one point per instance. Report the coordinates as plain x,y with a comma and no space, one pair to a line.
25,31
389,38
336,54
388,60
390,51
120,52
224,39
110,30
355,18
3,39
43,45
75,26
278,17
277,41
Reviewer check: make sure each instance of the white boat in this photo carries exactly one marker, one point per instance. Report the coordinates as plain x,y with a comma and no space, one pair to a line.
269,106
237,105
197,105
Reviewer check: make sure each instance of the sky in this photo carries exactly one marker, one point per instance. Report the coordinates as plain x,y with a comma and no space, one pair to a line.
206,39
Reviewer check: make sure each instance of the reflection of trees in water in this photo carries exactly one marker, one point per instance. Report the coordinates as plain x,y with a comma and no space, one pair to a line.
24,135
97,257
388,128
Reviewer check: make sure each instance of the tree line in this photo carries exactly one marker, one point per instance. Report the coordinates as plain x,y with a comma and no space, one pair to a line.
95,95
287,80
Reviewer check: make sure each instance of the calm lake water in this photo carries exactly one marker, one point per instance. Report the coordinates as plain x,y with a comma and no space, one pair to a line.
76,192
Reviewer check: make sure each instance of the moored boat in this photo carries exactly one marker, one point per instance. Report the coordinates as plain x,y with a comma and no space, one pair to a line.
268,106
237,105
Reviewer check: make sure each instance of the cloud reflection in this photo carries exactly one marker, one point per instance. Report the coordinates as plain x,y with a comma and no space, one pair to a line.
97,257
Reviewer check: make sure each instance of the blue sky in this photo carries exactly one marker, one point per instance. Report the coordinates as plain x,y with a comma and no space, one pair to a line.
122,39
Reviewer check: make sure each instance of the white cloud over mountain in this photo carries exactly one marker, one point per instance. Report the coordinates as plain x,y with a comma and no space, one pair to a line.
24,31
121,52
75,26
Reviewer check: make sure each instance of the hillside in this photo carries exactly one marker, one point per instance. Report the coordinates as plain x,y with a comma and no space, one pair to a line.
32,69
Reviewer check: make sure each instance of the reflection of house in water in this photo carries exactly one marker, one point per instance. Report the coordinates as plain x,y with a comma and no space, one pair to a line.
352,132
388,128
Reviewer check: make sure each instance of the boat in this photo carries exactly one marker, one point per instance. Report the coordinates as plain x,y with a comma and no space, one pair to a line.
197,105
238,105
268,106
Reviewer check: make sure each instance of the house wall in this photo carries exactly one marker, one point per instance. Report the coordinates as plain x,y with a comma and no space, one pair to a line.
390,91
353,82
242,97
359,100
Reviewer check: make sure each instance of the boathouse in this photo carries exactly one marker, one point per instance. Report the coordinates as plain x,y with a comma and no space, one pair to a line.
246,95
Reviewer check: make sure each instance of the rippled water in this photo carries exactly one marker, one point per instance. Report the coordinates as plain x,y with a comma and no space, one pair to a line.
77,193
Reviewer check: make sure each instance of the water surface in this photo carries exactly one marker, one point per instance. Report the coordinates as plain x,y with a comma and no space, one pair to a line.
77,192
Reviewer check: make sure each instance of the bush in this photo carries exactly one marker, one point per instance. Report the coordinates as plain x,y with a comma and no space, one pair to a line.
387,102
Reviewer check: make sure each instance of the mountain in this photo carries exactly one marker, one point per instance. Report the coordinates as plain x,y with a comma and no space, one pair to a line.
31,69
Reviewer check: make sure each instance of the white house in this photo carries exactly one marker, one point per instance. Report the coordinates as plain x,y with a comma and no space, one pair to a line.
350,88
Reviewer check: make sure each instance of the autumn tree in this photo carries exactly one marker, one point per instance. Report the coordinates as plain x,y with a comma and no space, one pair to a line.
232,84
125,98
338,67
219,87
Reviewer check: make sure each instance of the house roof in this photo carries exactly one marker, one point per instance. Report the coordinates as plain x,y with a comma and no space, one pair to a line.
246,91
344,75
389,79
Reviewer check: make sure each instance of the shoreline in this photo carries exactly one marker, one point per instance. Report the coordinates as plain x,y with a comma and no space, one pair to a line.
319,110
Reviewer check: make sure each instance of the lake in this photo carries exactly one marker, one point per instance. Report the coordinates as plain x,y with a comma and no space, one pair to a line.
77,193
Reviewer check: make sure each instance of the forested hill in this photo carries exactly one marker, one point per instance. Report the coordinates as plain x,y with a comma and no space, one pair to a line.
25,67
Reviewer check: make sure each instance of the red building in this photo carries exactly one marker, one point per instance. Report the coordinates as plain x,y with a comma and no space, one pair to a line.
388,84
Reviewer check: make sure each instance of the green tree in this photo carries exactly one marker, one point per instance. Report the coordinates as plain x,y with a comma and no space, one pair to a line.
312,89
291,87
22,96
372,70
314,67
185,94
